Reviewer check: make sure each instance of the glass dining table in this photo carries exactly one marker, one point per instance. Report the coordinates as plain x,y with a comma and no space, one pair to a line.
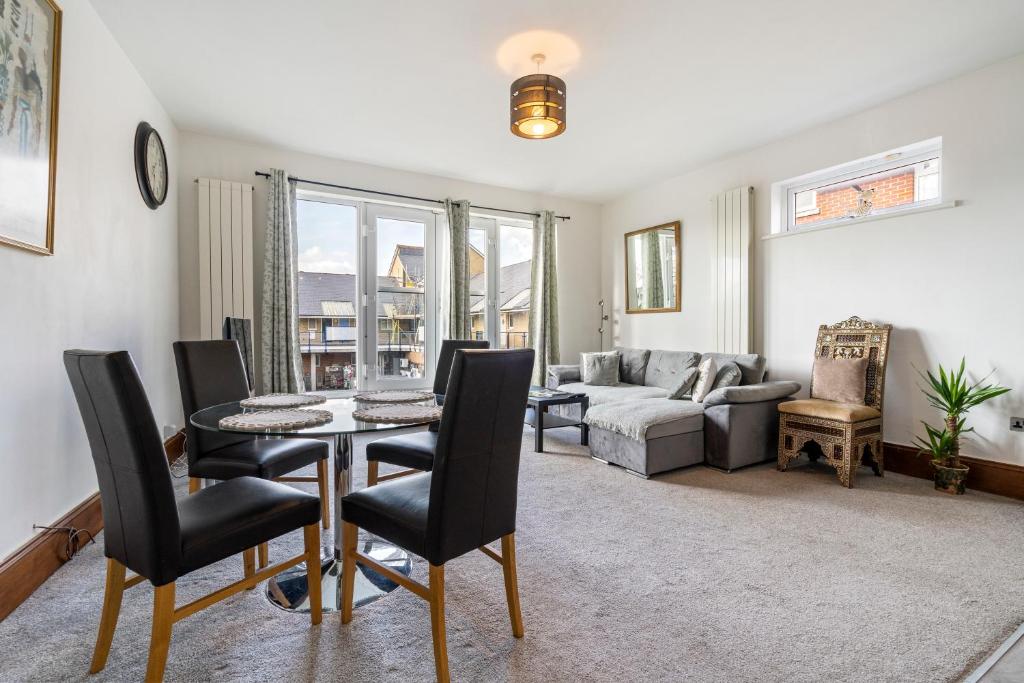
289,590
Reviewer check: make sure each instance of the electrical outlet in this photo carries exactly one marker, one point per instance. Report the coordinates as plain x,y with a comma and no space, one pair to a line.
1017,424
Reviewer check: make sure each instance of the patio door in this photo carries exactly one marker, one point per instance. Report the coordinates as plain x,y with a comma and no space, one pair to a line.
399,302
500,252
483,279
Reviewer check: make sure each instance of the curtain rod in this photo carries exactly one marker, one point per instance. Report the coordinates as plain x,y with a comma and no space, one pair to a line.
404,196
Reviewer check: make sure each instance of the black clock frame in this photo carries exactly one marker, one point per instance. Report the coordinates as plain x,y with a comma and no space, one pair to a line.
142,134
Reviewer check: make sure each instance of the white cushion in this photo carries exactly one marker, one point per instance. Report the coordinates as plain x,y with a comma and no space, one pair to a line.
706,373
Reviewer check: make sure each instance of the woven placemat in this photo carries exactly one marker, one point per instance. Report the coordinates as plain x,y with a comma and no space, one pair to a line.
398,414
394,396
277,419
273,401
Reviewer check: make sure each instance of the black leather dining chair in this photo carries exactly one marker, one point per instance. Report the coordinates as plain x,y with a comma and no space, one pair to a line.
466,502
161,540
210,373
415,451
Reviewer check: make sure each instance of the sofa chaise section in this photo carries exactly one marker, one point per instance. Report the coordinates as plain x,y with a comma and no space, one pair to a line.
647,436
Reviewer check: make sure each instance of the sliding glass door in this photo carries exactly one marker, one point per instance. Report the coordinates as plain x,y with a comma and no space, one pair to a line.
400,301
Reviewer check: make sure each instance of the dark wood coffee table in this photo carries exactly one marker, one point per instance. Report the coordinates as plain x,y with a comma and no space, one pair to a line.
537,415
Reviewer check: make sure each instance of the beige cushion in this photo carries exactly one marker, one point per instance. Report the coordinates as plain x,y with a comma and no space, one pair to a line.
706,373
840,379
829,410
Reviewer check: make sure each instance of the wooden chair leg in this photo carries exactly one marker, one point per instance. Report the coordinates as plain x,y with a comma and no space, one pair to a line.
325,501
160,640
249,563
848,467
437,623
372,470
508,566
108,618
349,540
194,484
311,539
263,550
782,458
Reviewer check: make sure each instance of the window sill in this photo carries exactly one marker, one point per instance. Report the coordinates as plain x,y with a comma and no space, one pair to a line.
863,219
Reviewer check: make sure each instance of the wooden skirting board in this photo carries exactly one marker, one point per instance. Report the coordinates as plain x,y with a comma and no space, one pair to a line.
33,563
989,476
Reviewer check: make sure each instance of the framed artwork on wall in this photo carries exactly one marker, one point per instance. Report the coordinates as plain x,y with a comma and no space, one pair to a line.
29,87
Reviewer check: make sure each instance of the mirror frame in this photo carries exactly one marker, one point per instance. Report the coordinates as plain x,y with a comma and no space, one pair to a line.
677,228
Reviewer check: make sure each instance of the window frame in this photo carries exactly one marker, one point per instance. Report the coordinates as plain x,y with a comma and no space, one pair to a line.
373,211
783,193
493,224
367,209
489,226
306,195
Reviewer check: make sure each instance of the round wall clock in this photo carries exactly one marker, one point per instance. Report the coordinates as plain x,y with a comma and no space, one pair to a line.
150,165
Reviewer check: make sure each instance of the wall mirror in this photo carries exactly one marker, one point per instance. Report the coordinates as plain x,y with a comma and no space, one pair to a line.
653,274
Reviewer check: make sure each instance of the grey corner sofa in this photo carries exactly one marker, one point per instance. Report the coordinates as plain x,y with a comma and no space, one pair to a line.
634,425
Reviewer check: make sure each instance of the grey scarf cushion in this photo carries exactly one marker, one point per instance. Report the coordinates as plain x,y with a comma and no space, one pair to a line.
729,375
665,368
600,369
686,380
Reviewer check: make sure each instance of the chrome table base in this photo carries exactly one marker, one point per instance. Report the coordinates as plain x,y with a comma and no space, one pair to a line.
289,590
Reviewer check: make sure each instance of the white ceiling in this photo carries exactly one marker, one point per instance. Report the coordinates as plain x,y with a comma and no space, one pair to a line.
659,87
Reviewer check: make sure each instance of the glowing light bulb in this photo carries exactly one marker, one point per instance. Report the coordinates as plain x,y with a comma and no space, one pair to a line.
538,129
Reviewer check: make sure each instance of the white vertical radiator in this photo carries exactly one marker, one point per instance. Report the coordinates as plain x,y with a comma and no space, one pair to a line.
733,225
225,254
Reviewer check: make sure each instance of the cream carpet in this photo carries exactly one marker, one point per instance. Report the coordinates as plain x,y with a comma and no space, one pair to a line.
696,575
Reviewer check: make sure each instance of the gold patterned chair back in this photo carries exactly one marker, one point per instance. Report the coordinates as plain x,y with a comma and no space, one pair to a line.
856,338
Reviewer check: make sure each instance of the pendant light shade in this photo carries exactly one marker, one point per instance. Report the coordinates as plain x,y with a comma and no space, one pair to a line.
538,105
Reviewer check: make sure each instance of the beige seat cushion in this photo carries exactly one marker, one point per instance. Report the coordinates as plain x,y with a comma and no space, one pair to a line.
829,410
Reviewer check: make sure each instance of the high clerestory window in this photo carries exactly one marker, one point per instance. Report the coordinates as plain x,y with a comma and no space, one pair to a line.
899,180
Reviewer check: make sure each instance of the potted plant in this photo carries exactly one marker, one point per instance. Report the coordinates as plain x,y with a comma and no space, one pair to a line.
951,393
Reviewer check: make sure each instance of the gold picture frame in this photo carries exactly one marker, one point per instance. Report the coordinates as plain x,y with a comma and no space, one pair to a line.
676,303
30,44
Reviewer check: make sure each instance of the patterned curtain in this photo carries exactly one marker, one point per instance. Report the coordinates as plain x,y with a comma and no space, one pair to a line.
653,282
544,296
282,362
458,281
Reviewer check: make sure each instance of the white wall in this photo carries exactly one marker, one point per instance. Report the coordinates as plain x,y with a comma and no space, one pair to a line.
948,280
205,156
112,282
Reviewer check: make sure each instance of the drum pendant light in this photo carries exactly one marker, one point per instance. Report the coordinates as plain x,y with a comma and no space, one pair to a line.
538,104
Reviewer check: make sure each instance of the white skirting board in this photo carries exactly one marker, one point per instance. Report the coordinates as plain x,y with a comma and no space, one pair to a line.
730,268
225,253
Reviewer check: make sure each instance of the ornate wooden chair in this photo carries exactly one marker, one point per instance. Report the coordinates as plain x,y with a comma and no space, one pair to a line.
844,431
